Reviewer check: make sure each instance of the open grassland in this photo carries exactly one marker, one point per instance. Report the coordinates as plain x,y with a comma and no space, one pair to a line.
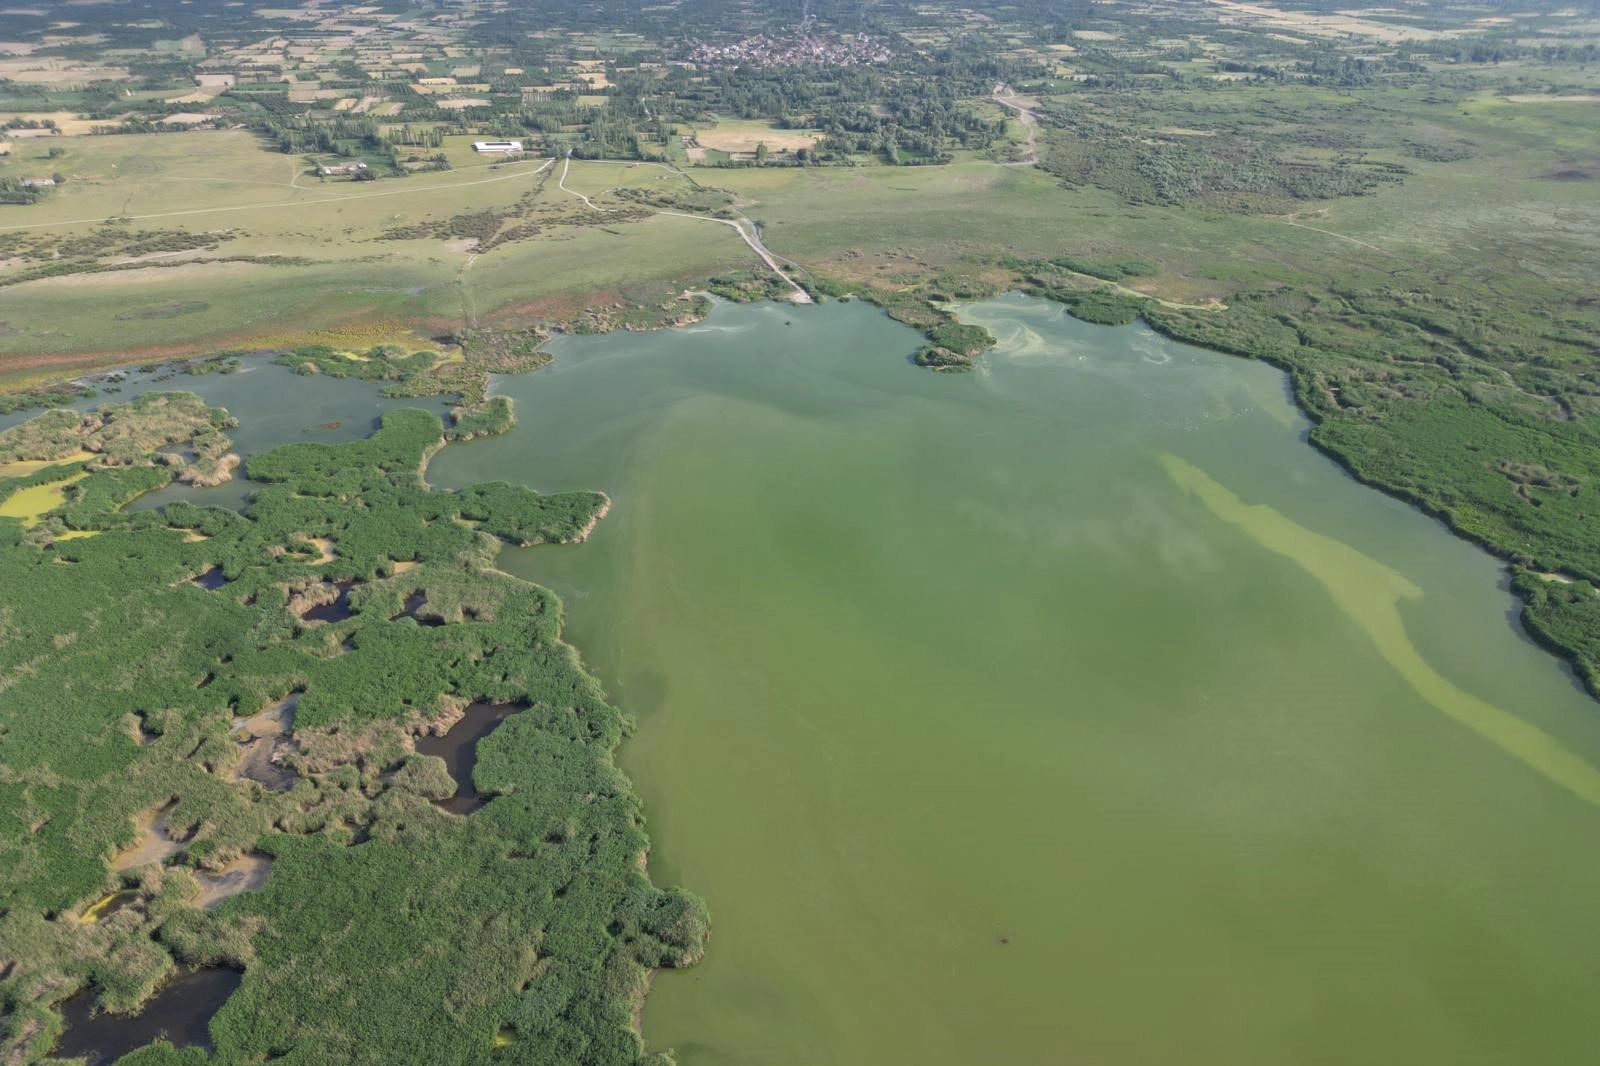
296,260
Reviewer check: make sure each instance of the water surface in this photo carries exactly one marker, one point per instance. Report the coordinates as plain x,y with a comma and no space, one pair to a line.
458,747
180,1013
1071,711
274,406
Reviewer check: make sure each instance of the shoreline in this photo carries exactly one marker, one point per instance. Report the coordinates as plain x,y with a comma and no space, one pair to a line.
1170,330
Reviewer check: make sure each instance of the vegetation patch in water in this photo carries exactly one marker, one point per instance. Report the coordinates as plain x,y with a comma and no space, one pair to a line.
1372,602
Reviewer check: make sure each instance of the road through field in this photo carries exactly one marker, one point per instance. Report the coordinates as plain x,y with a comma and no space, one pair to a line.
750,235
1002,95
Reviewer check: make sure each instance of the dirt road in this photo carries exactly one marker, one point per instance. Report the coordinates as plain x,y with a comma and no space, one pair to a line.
1005,96
743,227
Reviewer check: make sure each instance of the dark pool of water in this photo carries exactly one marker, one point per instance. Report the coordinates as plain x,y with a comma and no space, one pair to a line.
337,611
180,1012
459,750
211,580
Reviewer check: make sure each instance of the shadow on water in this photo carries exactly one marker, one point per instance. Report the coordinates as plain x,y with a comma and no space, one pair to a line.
180,1012
459,750
414,603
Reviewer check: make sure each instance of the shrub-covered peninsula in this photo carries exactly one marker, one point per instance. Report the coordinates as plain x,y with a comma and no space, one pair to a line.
210,734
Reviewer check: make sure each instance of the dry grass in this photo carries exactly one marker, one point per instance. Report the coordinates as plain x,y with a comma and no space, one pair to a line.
743,136
24,467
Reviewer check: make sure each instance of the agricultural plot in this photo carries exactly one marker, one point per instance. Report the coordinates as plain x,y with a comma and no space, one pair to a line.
740,139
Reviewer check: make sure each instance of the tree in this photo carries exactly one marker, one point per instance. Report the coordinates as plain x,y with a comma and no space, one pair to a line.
761,152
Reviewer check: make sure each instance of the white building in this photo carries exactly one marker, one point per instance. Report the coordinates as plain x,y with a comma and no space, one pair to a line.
497,147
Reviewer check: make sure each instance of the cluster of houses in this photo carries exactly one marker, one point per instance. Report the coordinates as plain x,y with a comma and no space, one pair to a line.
803,49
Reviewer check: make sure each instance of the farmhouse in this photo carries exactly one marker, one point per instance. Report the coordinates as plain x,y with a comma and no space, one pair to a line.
357,168
497,147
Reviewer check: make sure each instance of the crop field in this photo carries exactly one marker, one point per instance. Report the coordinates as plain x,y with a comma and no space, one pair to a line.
739,136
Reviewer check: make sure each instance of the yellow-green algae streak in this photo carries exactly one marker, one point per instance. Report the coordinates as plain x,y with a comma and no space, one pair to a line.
93,913
1370,593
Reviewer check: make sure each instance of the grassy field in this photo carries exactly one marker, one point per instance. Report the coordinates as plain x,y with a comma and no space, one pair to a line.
300,260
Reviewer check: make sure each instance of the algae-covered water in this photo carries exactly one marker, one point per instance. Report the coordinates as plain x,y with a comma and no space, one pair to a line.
1071,711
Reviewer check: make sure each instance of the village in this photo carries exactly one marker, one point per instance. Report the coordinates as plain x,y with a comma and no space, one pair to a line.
804,49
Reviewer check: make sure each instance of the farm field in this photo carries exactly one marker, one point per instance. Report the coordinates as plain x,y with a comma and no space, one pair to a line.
738,138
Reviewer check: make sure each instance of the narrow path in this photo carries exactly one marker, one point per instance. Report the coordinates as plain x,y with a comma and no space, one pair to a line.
1340,236
1212,304
566,165
750,235
1004,96
469,306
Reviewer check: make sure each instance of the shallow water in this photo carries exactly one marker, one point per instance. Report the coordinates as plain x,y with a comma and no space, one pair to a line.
335,610
459,750
1074,710
212,580
275,406
180,1013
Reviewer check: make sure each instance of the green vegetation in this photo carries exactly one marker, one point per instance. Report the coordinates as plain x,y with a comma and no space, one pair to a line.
1564,615
120,433
953,345
432,937
487,419
116,446
23,401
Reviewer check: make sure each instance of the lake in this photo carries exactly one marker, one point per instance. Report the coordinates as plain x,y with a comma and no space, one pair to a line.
1073,710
